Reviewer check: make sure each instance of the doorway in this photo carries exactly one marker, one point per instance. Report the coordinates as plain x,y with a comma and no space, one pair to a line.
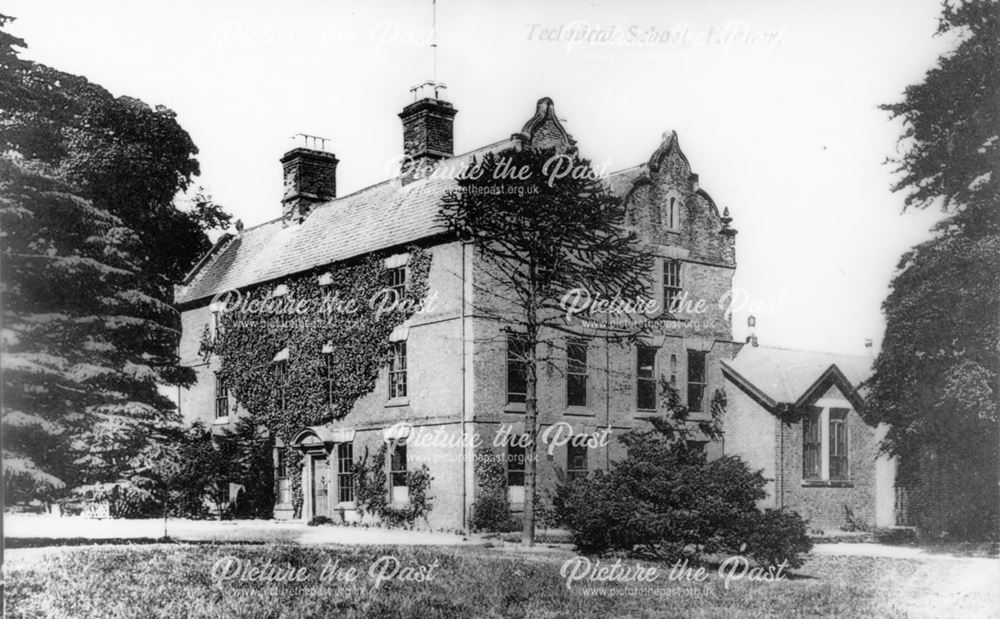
320,486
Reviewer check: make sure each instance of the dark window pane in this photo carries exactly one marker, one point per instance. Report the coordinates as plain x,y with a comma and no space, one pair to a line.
397,370
696,381
645,378
838,443
671,283
281,469
576,354
646,399
399,458
811,456
576,373
221,398
576,460
515,465
345,472
696,397
395,279
576,390
517,370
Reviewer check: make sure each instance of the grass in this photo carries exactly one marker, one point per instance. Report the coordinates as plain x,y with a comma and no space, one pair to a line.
174,580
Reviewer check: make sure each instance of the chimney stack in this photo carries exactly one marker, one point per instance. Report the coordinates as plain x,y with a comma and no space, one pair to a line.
428,128
310,178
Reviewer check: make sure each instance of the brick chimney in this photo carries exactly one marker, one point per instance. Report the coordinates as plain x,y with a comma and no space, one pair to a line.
428,128
310,178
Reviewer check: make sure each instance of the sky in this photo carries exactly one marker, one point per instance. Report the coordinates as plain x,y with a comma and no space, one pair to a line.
774,102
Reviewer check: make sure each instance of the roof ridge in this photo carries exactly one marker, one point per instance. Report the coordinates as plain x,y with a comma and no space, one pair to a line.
628,169
809,350
393,178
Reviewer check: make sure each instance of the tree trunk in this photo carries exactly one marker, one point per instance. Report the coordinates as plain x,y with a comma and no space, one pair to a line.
530,423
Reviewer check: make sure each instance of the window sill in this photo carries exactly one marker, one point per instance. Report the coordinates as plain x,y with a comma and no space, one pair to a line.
394,402
579,411
827,483
514,407
345,505
220,421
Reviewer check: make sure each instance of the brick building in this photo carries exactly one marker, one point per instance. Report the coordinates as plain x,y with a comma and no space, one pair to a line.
798,416
452,375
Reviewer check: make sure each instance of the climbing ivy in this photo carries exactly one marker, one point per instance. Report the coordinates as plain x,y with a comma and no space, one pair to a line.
491,510
342,315
371,491
370,483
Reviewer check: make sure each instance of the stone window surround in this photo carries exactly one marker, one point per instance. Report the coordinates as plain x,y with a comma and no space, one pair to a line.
824,481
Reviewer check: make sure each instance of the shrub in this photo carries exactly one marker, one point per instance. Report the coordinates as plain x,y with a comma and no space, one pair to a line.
490,511
318,520
667,499
371,491
896,536
775,536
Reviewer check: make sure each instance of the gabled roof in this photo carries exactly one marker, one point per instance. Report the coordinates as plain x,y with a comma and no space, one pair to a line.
385,215
389,214
378,217
780,377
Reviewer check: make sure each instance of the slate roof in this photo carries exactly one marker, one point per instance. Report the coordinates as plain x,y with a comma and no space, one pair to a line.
784,376
378,217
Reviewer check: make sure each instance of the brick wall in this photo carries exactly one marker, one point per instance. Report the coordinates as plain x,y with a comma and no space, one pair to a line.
823,504
750,433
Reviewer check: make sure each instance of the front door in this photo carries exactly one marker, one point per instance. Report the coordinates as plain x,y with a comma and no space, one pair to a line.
320,486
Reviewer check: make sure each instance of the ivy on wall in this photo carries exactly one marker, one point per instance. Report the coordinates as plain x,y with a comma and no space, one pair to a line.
491,510
371,487
343,317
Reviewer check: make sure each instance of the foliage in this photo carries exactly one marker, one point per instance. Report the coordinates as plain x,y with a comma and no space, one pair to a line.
251,450
678,426
123,499
85,348
319,520
121,154
417,506
491,510
949,147
359,340
371,491
371,485
665,498
935,380
92,243
537,239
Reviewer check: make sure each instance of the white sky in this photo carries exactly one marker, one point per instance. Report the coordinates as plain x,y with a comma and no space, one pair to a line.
786,133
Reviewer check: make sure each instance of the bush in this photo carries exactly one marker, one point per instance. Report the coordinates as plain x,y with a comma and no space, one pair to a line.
667,499
896,536
490,511
775,536
318,520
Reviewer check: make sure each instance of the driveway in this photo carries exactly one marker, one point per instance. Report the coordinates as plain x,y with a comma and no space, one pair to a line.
46,527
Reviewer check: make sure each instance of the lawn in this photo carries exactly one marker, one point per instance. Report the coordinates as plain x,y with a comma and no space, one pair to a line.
164,580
